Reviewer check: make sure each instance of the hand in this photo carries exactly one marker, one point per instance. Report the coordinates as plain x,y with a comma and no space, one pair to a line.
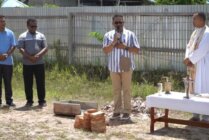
3,56
117,36
187,62
120,46
31,59
34,58
37,56
190,64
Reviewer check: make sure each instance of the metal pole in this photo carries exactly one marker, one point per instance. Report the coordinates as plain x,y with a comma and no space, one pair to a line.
79,3
70,38
101,2
118,2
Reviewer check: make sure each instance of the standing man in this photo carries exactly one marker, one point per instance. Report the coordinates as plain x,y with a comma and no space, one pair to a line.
33,47
7,46
120,44
197,58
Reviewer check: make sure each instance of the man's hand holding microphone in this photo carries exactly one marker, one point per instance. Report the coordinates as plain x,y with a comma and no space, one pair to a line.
118,42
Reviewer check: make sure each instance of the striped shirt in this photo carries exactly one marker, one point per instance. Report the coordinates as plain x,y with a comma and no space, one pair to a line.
129,39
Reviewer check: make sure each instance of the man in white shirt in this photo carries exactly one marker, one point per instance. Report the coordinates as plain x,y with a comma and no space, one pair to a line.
197,58
120,44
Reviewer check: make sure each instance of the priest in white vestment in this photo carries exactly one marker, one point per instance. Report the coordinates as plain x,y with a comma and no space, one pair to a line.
197,56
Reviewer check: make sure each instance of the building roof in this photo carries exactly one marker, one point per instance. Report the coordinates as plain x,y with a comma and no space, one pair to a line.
13,3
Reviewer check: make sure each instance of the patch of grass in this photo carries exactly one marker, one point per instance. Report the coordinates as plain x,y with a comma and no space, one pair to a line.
143,90
90,83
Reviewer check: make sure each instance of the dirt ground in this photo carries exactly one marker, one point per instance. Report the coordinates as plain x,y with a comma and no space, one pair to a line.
22,123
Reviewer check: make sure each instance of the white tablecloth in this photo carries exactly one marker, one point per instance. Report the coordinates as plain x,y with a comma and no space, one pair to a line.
176,101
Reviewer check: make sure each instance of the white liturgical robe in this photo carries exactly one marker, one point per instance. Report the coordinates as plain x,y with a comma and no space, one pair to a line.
200,57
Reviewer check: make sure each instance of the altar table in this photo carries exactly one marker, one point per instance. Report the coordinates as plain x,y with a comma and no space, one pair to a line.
176,101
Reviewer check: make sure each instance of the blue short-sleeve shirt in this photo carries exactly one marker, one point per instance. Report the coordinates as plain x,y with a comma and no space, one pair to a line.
7,40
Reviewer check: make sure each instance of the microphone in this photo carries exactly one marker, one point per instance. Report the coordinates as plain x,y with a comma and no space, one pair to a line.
119,36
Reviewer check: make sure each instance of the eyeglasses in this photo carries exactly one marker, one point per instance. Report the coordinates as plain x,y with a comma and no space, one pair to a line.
118,22
33,26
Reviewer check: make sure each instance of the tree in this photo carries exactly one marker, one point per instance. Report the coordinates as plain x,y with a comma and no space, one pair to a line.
97,35
180,2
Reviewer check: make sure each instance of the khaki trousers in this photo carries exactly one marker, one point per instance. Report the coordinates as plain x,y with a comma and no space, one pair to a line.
121,84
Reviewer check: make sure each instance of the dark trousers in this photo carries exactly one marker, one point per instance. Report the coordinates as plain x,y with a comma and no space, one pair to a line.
6,74
39,72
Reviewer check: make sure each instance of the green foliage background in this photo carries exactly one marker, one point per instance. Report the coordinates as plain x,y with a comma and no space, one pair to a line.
97,35
91,83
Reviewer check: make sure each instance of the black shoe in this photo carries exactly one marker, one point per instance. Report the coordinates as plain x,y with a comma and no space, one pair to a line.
28,104
115,116
42,105
125,117
11,104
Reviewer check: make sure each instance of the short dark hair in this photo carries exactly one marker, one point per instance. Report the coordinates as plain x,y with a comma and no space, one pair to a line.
31,20
117,15
202,15
2,16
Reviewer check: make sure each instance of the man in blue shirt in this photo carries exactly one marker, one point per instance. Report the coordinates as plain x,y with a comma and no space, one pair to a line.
7,46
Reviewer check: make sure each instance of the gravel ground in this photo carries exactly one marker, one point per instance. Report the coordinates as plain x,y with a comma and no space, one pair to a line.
34,123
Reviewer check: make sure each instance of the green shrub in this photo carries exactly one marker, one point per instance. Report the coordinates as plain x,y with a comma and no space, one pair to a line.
143,90
154,77
97,35
92,82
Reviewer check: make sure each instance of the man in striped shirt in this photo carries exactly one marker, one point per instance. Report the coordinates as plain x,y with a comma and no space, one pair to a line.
120,44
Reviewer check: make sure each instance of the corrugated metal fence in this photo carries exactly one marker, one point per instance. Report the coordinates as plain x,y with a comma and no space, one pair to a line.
163,32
